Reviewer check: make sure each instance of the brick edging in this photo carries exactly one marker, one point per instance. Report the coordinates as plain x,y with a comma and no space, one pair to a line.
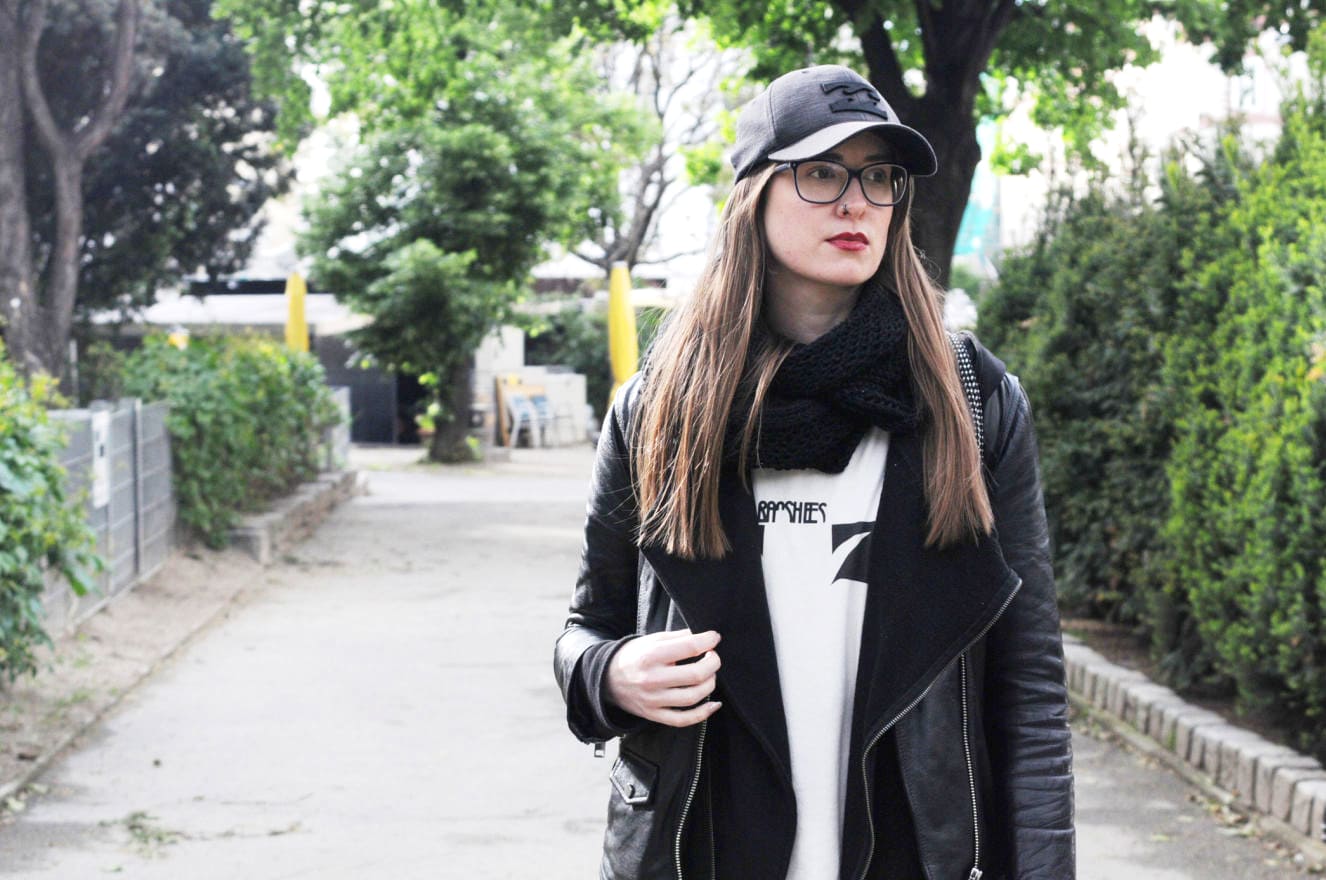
290,519
1251,772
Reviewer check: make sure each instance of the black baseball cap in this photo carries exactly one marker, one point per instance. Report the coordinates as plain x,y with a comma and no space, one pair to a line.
807,112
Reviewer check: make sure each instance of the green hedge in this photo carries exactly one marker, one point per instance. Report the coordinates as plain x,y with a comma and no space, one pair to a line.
1244,584
39,527
1174,349
246,418
1081,316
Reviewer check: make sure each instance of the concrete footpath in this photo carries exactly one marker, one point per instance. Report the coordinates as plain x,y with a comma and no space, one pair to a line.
380,704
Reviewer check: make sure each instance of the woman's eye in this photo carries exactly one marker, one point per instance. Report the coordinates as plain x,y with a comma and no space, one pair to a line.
823,172
877,175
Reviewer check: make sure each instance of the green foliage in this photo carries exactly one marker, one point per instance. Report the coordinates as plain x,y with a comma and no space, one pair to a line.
246,417
388,62
483,147
1080,316
40,527
1176,352
179,183
578,339
1248,471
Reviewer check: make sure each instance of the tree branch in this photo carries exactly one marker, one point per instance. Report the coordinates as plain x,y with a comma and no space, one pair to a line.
78,145
928,20
885,70
30,28
670,257
997,19
113,99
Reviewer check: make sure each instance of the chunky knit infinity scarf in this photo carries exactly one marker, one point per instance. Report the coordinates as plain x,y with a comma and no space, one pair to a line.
827,393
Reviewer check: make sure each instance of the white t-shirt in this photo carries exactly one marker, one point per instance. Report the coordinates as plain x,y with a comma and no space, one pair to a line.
816,532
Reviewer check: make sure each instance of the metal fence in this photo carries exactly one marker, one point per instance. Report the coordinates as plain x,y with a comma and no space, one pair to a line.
117,459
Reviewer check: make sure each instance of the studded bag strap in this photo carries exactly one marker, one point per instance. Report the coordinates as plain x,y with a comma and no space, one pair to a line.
970,387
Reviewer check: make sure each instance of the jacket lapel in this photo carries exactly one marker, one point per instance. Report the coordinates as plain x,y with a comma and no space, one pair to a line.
924,605
923,608
727,595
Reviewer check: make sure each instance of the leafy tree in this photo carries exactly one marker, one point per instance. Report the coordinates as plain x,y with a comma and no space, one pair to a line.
176,184
480,151
677,75
183,175
38,313
944,65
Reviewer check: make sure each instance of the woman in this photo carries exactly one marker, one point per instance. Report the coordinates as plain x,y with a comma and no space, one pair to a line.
817,611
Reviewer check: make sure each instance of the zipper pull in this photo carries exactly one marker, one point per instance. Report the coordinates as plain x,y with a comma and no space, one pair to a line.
975,873
600,749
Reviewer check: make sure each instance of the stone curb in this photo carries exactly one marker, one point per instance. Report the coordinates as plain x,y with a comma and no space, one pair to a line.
1284,790
289,520
266,535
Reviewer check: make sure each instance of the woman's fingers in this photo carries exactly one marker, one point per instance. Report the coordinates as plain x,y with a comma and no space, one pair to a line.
685,717
683,697
687,674
682,646
665,676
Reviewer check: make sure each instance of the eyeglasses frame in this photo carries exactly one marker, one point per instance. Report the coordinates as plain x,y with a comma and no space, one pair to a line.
851,175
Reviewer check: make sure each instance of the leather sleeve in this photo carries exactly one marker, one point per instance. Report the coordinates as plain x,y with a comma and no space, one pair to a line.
603,604
1026,697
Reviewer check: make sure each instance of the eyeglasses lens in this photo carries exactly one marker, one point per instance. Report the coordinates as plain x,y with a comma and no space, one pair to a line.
824,182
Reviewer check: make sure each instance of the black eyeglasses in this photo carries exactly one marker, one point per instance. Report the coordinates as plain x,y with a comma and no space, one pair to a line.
823,181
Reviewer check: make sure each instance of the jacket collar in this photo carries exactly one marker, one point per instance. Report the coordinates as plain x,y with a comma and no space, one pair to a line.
923,608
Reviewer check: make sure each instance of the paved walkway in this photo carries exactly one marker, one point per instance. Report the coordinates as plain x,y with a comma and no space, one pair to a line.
383,707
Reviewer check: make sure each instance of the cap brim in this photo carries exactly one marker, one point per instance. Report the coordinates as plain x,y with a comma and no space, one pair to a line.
914,151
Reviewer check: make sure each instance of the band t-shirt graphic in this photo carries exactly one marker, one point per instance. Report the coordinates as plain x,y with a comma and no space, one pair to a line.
816,530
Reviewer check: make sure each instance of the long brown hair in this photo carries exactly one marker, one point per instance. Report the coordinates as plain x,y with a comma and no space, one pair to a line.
704,356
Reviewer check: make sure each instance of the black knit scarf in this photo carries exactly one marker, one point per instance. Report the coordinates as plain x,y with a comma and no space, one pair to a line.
829,392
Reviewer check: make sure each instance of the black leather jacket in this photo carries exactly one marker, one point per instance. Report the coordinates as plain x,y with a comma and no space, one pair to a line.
960,741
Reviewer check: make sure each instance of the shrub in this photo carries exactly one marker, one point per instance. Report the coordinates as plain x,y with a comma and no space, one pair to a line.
1245,593
1080,316
40,528
578,339
246,418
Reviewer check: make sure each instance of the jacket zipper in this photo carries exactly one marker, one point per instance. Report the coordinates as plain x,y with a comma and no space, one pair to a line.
971,779
690,797
865,754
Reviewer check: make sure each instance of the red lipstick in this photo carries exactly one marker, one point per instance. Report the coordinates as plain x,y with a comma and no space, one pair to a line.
850,241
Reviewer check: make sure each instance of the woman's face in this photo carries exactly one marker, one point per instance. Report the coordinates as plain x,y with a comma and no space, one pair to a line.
830,249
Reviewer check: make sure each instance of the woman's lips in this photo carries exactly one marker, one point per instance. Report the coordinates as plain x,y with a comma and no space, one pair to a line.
850,241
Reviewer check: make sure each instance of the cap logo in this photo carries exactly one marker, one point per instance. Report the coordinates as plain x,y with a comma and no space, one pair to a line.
856,97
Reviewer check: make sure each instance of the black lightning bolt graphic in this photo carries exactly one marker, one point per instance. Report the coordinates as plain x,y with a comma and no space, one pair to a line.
856,567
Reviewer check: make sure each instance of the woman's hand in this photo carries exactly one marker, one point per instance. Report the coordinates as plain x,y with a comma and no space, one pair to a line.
658,677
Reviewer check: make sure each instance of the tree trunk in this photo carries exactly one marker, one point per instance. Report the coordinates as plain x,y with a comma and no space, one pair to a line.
17,297
450,442
44,325
62,279
940,201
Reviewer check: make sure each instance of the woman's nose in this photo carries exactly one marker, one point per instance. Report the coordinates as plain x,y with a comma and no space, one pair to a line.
853,201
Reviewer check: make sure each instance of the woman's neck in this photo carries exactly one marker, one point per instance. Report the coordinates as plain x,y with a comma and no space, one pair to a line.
805,312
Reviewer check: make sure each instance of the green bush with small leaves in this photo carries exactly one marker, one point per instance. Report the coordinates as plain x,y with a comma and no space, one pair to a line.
1081,316
246,418
1244,590
41,529
1174,349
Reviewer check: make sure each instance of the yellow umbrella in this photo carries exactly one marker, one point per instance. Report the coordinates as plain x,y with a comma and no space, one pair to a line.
296,326
623,344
